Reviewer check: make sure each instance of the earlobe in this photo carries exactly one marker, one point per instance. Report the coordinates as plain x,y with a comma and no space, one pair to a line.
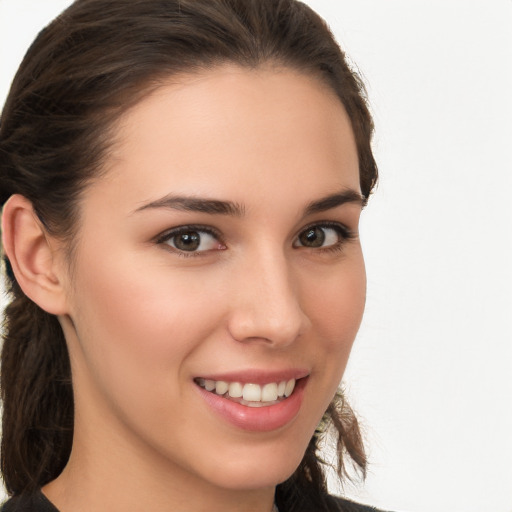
32,255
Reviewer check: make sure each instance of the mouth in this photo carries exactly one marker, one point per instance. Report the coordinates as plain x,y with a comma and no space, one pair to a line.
249,394
255,400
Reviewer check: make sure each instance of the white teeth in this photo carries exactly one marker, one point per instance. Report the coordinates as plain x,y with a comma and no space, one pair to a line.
290,386
269,392
209,385
257,404
221,387
236,390
251,394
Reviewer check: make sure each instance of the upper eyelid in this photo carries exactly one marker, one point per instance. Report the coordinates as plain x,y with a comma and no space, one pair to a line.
329,224
169,233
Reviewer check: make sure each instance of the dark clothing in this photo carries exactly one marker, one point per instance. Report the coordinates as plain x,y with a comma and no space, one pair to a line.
29,503
38,503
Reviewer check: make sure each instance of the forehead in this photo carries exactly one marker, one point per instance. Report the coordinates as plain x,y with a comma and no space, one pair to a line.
230,130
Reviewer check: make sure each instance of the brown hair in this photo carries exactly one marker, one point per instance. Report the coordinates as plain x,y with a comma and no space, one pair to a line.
84,71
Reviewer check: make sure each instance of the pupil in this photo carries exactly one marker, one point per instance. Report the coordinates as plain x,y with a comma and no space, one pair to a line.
188,241
313,237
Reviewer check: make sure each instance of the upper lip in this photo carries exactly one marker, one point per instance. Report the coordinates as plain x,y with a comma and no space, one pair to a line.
256,376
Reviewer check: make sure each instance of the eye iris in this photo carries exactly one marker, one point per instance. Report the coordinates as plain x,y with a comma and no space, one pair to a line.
313,237
187,241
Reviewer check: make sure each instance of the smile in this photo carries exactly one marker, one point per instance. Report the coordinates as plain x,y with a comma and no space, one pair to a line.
250,394
254,400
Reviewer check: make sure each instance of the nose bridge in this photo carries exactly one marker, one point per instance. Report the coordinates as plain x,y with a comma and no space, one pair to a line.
268,305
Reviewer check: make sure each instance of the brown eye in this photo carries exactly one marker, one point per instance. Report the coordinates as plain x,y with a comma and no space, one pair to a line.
189,240
322,236
312,237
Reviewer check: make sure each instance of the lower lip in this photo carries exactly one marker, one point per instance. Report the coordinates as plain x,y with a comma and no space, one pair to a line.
257,419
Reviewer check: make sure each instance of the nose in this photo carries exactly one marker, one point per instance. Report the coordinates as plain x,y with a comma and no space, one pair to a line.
266,304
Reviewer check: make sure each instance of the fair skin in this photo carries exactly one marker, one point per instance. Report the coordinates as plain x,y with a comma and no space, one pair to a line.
255,296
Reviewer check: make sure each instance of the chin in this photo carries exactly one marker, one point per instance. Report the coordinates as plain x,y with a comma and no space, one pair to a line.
254,477
266,468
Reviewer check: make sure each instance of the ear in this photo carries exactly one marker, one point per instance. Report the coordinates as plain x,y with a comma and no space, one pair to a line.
32,255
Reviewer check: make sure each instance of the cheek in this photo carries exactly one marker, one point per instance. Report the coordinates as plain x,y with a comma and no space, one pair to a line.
136,328
335,304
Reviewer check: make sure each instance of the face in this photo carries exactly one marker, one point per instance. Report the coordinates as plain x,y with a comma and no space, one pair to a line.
217,257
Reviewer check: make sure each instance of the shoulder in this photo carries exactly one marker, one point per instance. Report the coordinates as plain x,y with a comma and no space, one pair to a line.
337,504
344,505
300,500
28,503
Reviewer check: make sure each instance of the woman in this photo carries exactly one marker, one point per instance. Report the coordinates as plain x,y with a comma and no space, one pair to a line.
182,183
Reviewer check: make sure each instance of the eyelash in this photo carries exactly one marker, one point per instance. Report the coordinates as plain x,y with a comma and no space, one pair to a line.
343,232
344,235
169,235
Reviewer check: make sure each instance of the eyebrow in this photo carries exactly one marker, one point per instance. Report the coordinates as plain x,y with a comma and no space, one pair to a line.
218,207
334,200
196,204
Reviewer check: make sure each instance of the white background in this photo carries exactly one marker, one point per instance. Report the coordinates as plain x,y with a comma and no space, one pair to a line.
431,373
